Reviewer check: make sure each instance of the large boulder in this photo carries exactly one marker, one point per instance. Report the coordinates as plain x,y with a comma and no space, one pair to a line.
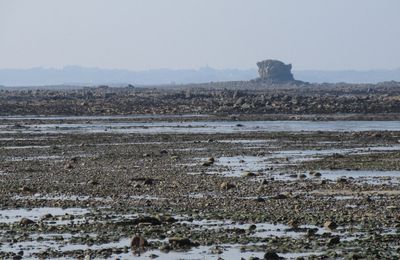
275,71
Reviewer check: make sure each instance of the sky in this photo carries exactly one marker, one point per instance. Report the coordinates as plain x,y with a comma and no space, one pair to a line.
189,34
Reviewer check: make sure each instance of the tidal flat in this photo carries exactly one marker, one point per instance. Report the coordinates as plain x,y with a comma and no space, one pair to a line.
198,187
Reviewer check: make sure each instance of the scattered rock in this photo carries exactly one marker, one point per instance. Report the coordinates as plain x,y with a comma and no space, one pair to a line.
293,223
252,227
302,176
138,242
148,220
68,166
149,181
271,255
26,222
330,225
25,189
260,199
227,186
46,216
209,162
334,241
281,196
181,242
93,182
315,173
249,174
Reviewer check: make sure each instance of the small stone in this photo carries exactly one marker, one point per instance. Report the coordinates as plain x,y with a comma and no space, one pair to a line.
138,242
165,248
93,182
25,189
149,181
207,163
26,222
180,242
68,166
322,182
317,174
311,232
227,186
293,223
249,174
333,241
260,199
330,225
216,250
280,196
46,216
252,227
272,256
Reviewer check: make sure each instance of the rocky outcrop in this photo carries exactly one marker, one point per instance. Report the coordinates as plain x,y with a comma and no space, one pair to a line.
275,71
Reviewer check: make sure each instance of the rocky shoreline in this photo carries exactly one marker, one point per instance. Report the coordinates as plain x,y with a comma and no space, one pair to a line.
260,194
247,98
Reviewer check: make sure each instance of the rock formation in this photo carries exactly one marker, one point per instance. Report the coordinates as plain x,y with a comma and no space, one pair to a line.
275,71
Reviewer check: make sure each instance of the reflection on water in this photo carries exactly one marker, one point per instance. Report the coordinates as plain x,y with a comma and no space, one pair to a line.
204,127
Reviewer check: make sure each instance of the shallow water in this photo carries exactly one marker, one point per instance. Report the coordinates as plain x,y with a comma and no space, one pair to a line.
205,127
237,166
15,215
33,117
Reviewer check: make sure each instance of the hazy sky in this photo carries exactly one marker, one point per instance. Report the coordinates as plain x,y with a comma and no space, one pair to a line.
147,34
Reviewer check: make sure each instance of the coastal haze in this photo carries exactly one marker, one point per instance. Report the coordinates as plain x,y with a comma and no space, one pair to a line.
162,42
75,75
199,129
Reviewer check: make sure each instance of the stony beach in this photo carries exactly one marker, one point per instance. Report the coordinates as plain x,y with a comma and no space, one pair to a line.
198,187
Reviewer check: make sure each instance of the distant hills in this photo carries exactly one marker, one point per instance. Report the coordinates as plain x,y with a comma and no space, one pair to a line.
95,76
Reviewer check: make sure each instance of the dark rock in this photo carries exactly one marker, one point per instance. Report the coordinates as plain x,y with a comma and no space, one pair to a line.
25,189
330,225
249,174
293,223
281,196
148,219
181,242
68,166
138,242
46,216
333,241
26,222
227,186
252,227
207,163
260,199
149,181
272,256
93,182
